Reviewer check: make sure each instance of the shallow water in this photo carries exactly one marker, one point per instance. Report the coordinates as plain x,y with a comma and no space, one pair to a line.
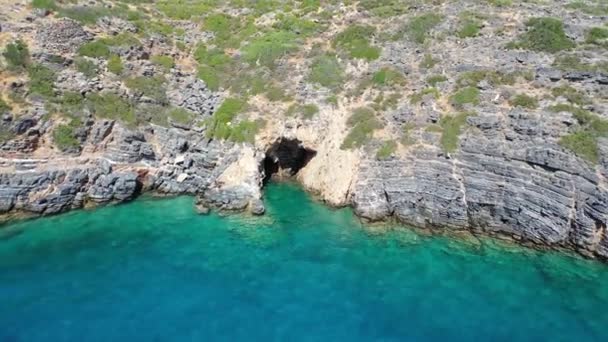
153,270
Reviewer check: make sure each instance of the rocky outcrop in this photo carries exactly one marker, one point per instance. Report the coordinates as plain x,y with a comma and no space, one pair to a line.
62,36
519,186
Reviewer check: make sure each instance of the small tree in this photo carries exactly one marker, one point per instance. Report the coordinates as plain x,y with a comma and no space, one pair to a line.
17,55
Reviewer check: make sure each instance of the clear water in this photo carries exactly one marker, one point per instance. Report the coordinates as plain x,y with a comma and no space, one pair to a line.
153,270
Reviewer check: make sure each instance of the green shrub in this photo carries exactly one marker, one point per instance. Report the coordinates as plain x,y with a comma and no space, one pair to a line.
468,95
85,66
265,50
597,36
363,123
44,4
115,65
451,126
209,76
64,136
523,100
356,41
184,9
95,49
86,15
245,131
597,9
225,114
164,61
435,79
388,77
17,55
151,87
500,3
544,34
275,94
41,80
472,78
122,39
583,144
469,28
181,116
111,106
570,94
296,25
419,28
571,62
307,111
229,31
581,115
383,8
419,96
386,150
4,107
327,71
428,62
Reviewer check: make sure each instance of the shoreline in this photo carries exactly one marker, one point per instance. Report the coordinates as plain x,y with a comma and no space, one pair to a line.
372,228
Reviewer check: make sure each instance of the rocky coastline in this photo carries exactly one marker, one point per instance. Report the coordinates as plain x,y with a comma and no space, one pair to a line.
509,173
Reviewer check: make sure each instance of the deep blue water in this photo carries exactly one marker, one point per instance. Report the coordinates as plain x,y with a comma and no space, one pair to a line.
153,270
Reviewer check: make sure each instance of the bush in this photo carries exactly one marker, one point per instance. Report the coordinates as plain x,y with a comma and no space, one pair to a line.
469,28
388,77
86,15
86,67
265,50
597,36
64,136
468,95
151,87
589,8
224,115
181,116
523,100
274,94
544,34
327,71
435,79
44,4
115,65
307,111
451,126
384,8
574,63
164,61
419,28
472,78
356,41
428,62
111,106
41,80
386,150
583,144
419,96
570,94
17,55
4,107
363,123
122,39
296,25
95,49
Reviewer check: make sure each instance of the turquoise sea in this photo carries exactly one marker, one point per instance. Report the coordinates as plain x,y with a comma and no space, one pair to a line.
153,270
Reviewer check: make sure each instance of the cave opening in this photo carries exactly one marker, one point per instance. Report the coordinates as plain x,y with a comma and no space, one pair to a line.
285,158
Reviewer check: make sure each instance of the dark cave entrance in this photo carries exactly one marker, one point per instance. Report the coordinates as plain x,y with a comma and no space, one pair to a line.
284,158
